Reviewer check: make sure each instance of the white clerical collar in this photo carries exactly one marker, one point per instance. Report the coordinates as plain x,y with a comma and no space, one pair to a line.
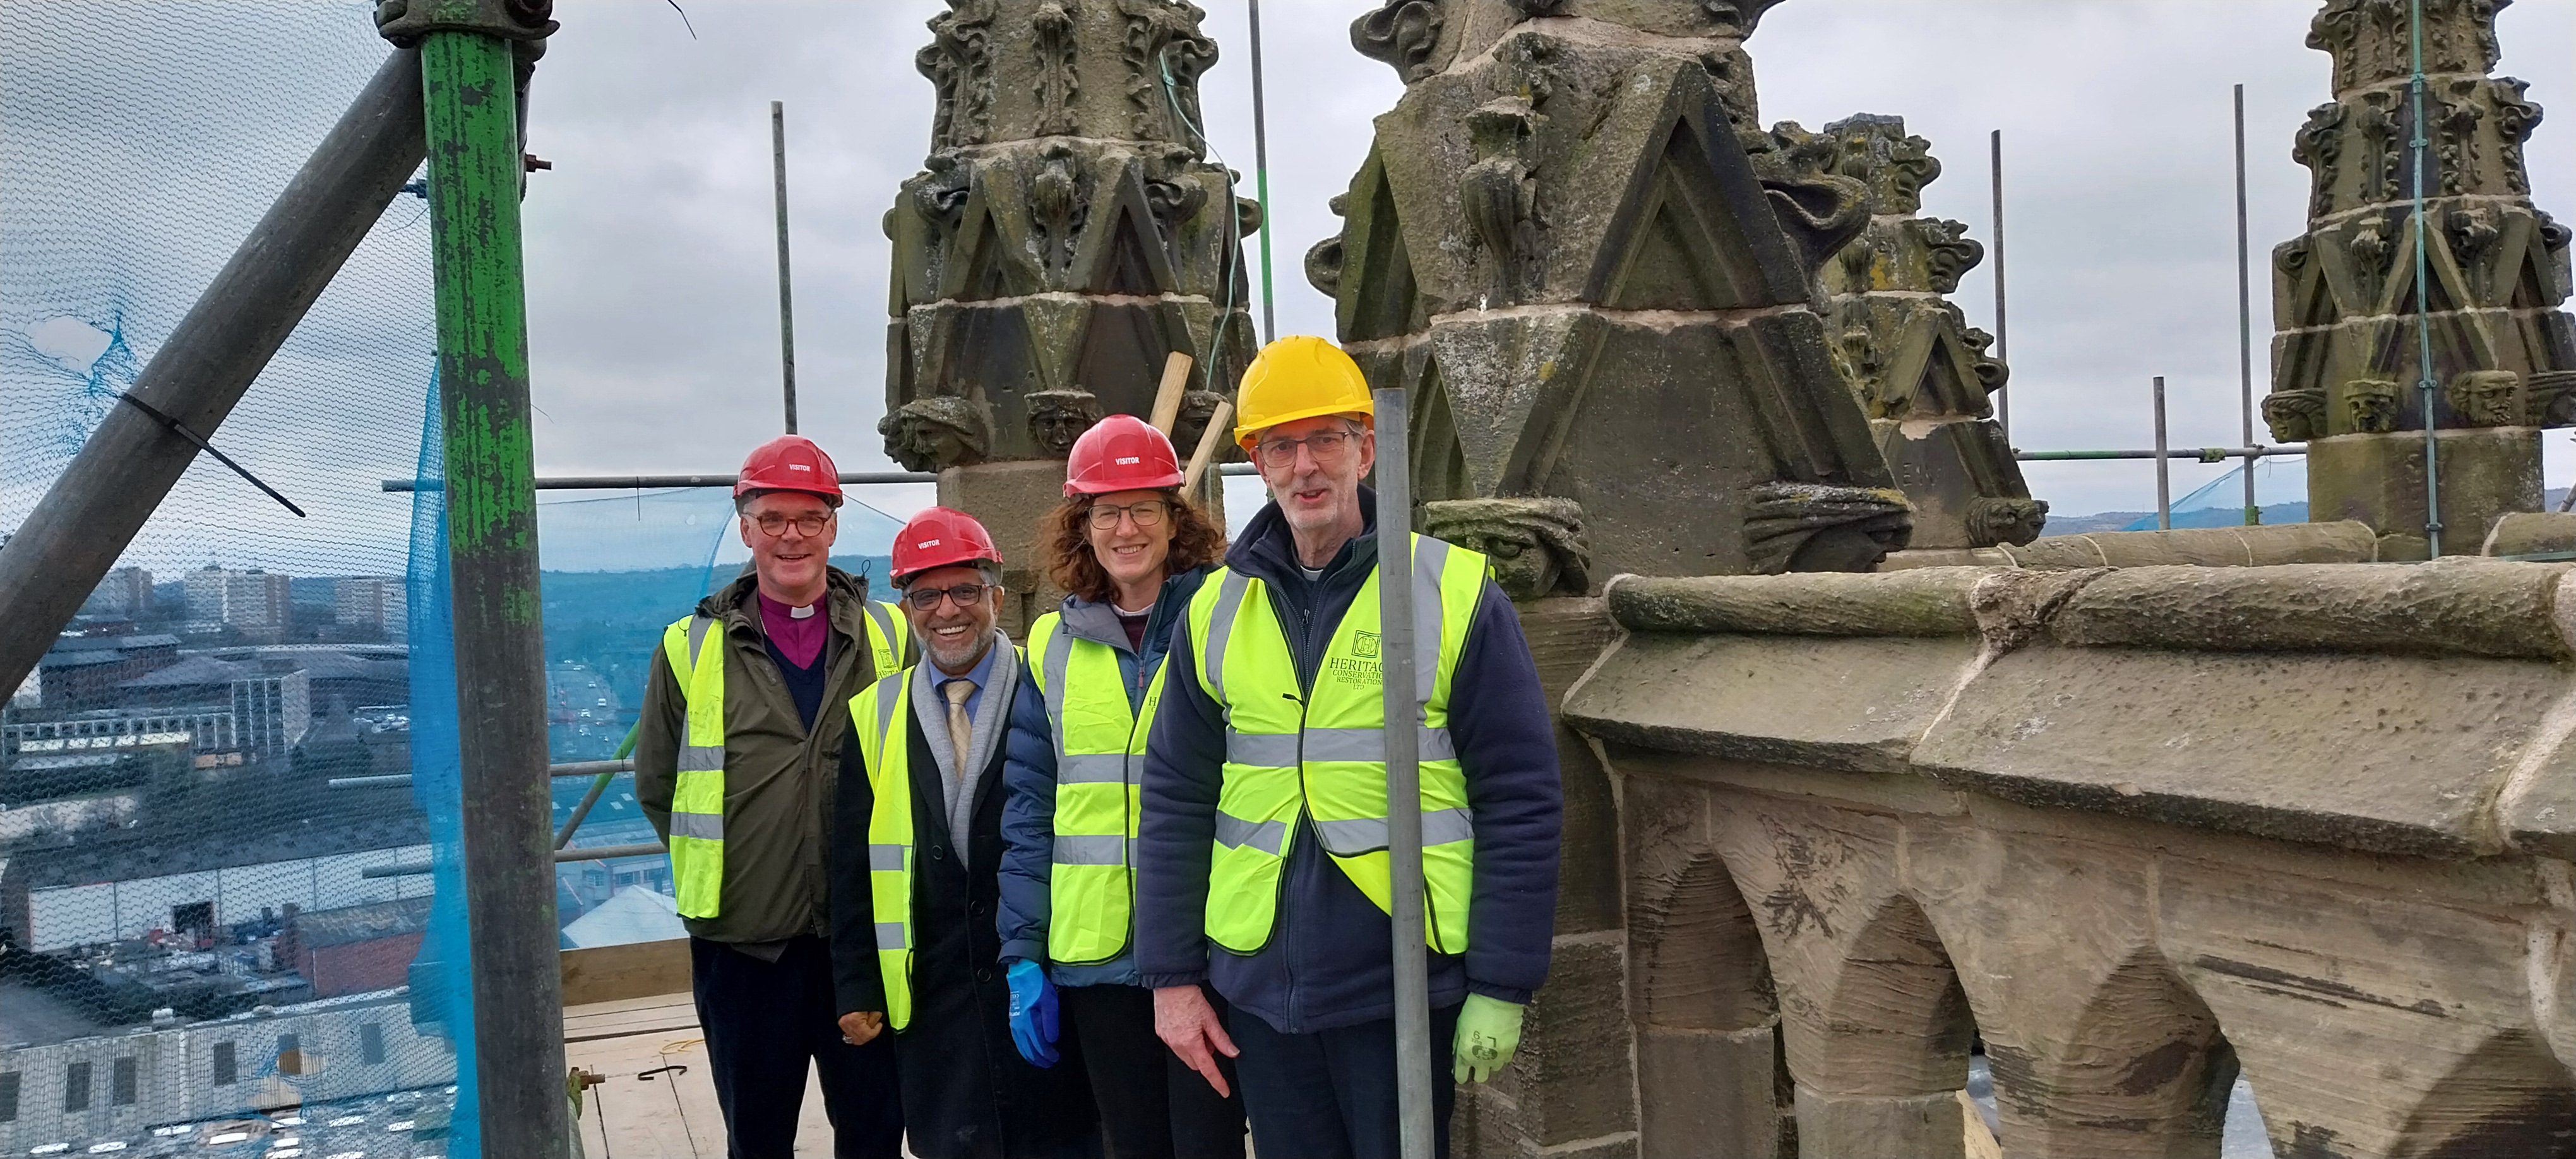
803,613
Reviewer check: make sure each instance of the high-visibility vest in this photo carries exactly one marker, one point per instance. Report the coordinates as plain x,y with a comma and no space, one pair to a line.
1099,783
695,648
1323,754
880,714
889,634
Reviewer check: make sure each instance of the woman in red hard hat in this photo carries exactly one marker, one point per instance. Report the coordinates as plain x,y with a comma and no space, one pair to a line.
1131,550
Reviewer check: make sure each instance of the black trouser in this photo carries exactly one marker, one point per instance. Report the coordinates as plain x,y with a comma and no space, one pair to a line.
763,1020
1152,1105
1331,1094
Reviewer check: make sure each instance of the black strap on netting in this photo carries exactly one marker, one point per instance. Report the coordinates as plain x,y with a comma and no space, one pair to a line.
209,448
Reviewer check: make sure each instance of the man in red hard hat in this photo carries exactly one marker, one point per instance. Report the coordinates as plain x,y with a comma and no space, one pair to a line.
916,862
745,717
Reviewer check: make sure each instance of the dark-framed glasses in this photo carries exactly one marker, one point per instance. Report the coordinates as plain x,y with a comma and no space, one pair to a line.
1146,513
966,595
1328,447
774,524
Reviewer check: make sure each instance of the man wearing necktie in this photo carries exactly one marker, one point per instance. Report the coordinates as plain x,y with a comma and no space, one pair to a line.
916,862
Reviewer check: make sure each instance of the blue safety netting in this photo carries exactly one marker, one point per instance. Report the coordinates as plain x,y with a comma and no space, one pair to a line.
2280,493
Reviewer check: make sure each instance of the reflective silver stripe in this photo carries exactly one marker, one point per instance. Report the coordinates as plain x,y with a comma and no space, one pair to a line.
1442,826
1091,769
885,628
1369,744
889,690
1368,834
1059,655
698,626
890,936
1229,601
703,826
697,758
1267,836
886,858
1271,750
1430,558
1100,849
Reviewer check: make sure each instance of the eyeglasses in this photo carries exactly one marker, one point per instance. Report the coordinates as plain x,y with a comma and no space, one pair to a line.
774,525
1328,447
1146,513
966,595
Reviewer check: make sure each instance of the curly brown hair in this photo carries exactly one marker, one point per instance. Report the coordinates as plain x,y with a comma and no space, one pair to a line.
1064,538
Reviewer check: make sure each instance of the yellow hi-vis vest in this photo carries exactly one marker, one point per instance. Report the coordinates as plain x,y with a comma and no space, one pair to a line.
889,635
880,714
1323,755
1099,784
695,648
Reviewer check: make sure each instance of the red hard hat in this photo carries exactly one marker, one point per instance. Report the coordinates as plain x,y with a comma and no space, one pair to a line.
789,463
941,537
1121,453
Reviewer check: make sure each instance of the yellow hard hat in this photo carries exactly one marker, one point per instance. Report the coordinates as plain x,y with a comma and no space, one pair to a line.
1298,377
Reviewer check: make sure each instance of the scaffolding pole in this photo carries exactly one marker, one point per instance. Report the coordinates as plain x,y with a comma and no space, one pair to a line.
1402,704
2164,464
470,70
2244,316
1261,174
786,299
2417,145
2003,328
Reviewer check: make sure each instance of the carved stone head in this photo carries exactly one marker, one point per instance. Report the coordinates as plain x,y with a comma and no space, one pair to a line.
1822,527
934,434
2370,405
1197,407
2550,399
2000,521
2487,398
2295,416
1058,417
1536,545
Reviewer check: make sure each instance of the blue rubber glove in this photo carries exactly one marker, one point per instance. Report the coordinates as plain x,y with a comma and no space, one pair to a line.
1032,1012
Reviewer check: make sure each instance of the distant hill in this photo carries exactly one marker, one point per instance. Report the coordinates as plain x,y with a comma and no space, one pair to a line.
2212,517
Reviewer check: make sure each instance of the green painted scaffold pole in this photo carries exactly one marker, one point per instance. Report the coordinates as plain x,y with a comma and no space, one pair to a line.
475,57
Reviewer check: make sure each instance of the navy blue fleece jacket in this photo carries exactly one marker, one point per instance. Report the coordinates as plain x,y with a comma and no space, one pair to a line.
1328,961
1028,770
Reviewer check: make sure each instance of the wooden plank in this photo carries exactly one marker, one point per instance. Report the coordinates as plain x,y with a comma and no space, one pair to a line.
616,973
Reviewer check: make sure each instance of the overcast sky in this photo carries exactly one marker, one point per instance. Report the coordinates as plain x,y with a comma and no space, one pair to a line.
135,162
650,244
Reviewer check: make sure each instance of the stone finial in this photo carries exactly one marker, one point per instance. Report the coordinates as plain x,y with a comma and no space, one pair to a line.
1065,233
1536,545
1820,527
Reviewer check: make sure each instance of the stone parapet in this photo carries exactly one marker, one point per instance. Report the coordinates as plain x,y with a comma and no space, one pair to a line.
2134,832
2258,546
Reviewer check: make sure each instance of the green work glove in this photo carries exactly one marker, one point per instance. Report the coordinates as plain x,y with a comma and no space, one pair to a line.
1489,1030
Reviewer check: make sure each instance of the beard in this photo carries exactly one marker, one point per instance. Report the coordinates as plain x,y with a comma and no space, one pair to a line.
962,656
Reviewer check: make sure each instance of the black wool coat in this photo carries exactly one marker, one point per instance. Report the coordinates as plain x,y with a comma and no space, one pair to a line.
967,1093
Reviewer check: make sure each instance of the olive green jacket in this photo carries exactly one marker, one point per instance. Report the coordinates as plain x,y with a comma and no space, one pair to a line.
778,774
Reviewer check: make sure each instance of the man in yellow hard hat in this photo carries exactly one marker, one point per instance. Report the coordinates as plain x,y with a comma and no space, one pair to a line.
1261,858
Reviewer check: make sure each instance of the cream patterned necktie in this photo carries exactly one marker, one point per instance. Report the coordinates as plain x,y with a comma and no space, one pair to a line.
960,729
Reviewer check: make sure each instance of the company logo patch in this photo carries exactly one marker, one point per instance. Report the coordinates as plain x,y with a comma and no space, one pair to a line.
1365,645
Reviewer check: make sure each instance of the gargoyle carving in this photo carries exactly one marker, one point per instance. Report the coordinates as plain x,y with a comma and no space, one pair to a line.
1536,545
1402,33
934,434
2487,398
2295,416
2000,521
1500,194
2370,405
1058,417
1822,527
1950,252
1197,407
2550,398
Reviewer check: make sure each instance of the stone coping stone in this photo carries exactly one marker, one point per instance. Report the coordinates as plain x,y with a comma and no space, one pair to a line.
2461,607
2396,754
2264,545
1855,705
1917,602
